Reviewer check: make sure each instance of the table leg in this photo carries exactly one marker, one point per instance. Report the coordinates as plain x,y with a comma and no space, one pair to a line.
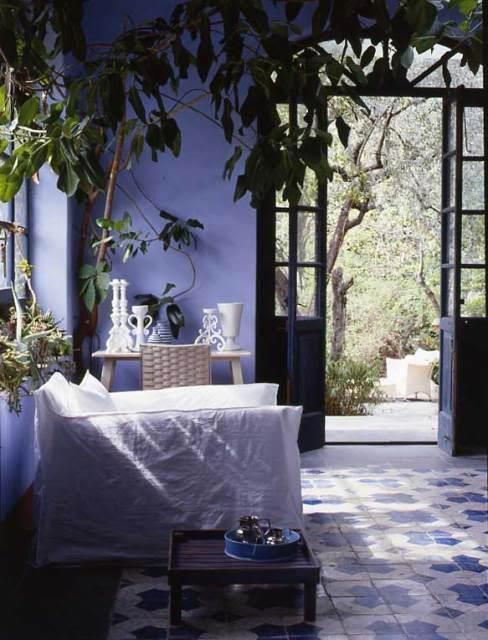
108,371
236,371
310,602
175,604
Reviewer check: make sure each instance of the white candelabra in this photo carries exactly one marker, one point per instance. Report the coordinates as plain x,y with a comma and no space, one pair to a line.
210,334
119,338
140,322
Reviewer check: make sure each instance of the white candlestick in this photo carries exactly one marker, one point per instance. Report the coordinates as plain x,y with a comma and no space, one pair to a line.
113,342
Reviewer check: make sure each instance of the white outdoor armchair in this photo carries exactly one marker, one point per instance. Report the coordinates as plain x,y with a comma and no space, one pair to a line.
406,377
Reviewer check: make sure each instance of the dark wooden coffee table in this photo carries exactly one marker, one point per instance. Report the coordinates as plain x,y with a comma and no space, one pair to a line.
196,557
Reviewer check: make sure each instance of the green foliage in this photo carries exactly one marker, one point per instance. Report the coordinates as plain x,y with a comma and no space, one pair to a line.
133,82
351,387
44,348
176,234
435,372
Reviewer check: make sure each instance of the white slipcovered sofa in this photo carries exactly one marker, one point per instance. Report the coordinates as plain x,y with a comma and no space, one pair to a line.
112,483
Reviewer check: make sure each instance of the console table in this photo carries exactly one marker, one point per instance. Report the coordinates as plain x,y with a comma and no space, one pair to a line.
196,557
110,360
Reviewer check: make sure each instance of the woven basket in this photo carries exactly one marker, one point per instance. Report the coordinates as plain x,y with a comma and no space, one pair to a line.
175,365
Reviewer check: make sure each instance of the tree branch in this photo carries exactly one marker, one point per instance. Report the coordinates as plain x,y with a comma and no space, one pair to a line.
112,181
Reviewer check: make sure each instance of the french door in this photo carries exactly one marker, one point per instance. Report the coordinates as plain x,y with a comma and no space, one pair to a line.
463,398
290,327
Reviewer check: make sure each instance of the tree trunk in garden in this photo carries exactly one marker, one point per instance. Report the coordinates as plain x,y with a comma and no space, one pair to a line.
340,288
281,291
420,278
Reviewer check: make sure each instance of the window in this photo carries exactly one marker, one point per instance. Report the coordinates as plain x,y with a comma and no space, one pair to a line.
13,245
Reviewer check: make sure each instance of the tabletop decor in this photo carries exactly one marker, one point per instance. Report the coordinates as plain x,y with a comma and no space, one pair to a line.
140,321
161,333
119,339
230,320
279,545
209,334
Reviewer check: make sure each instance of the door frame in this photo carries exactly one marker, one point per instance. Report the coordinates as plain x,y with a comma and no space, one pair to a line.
270,363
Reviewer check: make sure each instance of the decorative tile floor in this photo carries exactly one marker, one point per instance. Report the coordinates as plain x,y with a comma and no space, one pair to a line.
403,549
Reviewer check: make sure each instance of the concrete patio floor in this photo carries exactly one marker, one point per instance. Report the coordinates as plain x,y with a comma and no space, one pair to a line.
397,421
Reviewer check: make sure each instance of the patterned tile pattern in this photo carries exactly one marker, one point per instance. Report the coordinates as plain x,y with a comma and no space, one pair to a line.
404,555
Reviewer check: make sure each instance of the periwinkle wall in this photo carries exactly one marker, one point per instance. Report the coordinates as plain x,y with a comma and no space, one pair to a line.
188,186
50,234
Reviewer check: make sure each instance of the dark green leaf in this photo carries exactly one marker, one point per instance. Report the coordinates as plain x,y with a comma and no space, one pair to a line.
89,295
227,122
172,135
256,16
343,129
205,52
29,110
73,100
167,216
231,162
68,180
153,137
252,105
167,288
424,43
114,99
10,184
137,145
368,56
87,271
320,16
241,187
446,74
194,223
176,318
277,47
420,15
136,104
292,9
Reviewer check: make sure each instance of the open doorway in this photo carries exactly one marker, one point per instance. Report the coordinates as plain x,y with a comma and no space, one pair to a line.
383,257
293,272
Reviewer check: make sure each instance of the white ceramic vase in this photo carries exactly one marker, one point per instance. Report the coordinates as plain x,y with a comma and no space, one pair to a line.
230,320
140,323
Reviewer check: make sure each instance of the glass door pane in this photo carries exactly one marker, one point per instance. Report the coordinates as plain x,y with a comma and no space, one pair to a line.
306,236
307,282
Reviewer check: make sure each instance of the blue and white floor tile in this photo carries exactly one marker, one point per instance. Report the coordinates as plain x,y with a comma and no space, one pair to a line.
404,555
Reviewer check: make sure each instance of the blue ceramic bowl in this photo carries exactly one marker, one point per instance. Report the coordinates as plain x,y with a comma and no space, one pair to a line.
239,550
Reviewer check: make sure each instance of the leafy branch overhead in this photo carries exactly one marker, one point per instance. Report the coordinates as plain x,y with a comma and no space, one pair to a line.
247,59
176,234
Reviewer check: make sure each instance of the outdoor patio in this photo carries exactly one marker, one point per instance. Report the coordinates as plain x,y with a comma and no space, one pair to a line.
397,421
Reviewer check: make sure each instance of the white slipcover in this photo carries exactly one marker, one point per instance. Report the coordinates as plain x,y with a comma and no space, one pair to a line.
112,485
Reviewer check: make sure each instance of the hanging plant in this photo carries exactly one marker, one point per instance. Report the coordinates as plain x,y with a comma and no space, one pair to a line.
32,345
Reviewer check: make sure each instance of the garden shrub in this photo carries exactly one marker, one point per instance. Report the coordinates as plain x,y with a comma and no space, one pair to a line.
351,388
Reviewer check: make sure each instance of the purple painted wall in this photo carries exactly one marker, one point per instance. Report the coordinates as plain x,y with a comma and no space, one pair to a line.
188,186
50,233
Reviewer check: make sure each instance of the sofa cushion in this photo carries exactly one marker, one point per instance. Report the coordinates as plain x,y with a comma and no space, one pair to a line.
69,399
198,397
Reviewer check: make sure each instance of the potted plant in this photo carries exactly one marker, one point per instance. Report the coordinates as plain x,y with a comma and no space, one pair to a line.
32,347
164,304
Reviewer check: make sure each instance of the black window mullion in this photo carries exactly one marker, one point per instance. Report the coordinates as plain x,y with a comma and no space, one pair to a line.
458,203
